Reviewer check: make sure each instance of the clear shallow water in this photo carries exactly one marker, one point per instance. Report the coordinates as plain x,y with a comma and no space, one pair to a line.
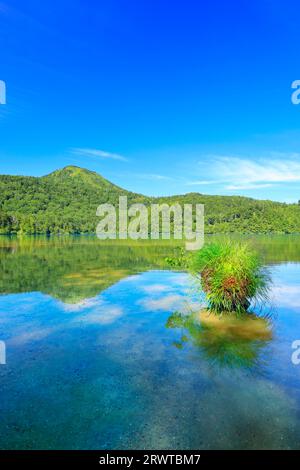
95,359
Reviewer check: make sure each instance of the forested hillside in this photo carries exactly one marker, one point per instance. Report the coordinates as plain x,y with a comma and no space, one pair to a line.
63,202
66,201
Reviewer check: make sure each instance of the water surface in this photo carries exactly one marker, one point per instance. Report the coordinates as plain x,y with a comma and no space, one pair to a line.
98,356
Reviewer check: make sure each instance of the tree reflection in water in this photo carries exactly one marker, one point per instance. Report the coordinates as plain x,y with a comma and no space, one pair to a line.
226,340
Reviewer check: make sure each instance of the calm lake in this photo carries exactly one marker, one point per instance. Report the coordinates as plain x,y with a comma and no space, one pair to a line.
97,356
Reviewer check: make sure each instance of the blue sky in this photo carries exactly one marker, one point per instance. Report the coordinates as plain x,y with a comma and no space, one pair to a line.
161,97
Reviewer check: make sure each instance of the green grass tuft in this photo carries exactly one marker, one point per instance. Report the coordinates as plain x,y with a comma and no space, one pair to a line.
232,275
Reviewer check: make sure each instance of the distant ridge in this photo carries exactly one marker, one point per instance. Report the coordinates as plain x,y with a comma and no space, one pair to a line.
65,201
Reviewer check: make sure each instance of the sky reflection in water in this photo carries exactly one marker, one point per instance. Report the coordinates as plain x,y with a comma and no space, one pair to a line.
119,370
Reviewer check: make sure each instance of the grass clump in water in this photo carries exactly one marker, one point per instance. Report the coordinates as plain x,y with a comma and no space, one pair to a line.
231,275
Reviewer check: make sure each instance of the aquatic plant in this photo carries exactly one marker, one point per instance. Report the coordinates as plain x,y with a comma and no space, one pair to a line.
232,276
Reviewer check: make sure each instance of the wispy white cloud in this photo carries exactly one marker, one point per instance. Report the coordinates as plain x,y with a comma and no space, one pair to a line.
102,316
168,302
96,153
171,302
235,187
152,176
83,304
156,288
36,334
201,182
145,176
286,295
262,171
95,309
240,173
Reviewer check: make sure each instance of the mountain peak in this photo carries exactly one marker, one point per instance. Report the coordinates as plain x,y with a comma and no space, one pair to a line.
75,175
71,170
